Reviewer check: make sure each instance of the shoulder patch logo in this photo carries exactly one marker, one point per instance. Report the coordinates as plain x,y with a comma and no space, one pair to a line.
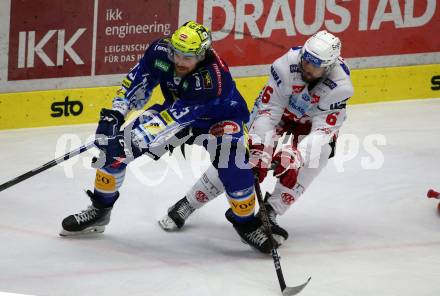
206,79
198,83
126,83
275,75
339,105
330,83
162,65
305,96
294,68
185,85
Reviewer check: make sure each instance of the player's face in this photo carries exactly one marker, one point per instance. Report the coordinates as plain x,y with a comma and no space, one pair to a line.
310,72
184,64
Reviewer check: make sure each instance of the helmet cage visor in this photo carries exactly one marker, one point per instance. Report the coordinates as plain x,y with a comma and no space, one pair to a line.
172,51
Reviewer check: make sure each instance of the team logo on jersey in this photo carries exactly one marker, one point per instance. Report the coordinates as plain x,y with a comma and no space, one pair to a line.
126,83
206,79
296,89
201,196
315,99
198,82
294,69
287,198
176,80
166,117
275,75
296,107
339,105
224,127
330,83
306,97
183,36
162,65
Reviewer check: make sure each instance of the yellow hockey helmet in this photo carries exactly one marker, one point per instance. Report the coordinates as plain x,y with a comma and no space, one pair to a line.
191,39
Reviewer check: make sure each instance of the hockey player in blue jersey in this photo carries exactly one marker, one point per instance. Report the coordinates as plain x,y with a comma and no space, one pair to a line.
201,102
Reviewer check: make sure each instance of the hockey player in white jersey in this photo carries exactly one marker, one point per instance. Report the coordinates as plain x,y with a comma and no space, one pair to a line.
305,97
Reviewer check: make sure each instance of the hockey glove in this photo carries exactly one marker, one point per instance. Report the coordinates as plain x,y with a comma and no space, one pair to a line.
117,151
259,158
287,163
110,122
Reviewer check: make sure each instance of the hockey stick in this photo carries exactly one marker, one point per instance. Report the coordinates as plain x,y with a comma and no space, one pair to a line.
276,258
53,163
46,166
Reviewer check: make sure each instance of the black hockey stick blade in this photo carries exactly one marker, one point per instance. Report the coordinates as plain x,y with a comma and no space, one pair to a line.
295,290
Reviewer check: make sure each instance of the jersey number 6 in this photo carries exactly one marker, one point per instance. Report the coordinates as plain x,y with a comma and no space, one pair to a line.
265,97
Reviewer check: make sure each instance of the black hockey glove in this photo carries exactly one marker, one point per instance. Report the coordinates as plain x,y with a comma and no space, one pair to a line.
117,151
110,121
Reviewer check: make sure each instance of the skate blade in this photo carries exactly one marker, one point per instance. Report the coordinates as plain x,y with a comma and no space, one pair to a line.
279,239
252,247
167,224
88,230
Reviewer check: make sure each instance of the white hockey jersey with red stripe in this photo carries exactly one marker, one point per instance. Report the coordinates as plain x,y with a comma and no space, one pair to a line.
287,98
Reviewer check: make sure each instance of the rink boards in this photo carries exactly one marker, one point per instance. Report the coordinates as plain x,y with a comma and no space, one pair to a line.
61,69
82,105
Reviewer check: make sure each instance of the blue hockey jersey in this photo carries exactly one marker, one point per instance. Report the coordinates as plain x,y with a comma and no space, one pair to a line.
210,85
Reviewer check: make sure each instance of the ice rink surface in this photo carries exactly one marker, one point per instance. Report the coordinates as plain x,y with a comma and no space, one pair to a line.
356,231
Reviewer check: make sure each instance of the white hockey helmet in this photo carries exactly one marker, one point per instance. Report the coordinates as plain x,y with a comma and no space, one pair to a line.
322,49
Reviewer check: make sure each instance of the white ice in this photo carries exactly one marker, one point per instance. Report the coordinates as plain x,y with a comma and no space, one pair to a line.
357,232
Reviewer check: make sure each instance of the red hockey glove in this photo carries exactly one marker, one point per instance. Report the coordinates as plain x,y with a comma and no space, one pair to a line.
287,162
259,158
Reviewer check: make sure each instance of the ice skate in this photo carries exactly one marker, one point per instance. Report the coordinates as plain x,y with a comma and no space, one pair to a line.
177,215
92,220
